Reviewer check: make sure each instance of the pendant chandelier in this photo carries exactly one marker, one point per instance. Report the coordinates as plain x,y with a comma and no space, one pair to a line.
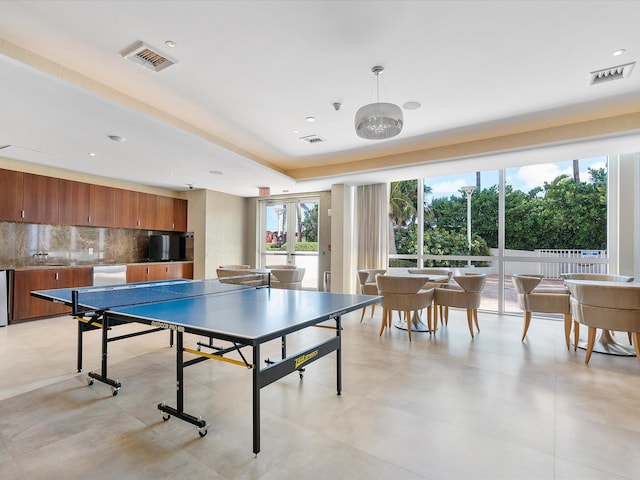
378,121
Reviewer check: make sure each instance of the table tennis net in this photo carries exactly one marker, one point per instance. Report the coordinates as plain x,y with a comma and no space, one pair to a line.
140,293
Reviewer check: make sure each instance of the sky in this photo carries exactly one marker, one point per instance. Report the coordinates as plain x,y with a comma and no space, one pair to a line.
521,178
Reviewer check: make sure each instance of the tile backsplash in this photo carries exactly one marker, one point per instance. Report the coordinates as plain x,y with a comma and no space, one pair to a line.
25,245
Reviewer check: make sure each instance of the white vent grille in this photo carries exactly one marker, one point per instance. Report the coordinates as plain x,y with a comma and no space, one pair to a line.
609,74
148,56
312,139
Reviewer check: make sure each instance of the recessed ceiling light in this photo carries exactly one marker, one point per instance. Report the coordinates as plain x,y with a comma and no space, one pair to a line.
171,174
117,138
310,119
215,172
411,105
296,131
91,154
619,52
170,43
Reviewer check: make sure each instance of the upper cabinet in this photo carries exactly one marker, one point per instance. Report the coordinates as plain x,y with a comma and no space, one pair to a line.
74,203
25,197
40,199
162,213
127,208
180,208
102,202
85,204
11,195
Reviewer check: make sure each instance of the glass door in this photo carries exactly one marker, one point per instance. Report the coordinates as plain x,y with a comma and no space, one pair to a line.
290,236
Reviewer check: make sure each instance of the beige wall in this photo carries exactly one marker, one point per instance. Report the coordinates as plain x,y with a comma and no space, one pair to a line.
623,225
324,237
342,245
219,228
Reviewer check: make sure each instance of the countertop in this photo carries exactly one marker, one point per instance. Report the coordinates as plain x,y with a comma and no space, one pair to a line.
59,265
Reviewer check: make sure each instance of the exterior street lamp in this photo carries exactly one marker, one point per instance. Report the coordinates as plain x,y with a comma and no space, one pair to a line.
469,191
280,213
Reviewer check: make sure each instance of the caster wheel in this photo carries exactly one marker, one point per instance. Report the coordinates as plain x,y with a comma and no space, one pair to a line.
202,431
165,416
89,381
114,391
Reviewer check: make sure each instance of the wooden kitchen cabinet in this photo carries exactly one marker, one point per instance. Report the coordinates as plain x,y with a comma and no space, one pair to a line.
25,197
127,208
102,202
30,198
26,307
162,213
11,195
180,209
74,203
148,272
40,199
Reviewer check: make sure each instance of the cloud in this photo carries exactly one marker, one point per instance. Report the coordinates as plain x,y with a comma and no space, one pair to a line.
447,188
531,176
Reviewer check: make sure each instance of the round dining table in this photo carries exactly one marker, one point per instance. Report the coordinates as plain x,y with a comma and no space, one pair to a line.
417,325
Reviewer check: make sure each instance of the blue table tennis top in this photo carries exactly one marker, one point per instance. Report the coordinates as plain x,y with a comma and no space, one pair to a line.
247,315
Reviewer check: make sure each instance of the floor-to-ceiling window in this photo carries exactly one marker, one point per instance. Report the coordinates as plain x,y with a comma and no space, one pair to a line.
539,218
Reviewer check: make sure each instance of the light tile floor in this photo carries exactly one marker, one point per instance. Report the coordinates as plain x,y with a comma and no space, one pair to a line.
442,407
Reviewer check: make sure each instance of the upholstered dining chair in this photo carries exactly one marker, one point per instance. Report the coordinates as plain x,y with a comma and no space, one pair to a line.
443,272
287,278
609,306
601,277
532,298
403,294
236,267
368,285
598,277
467,295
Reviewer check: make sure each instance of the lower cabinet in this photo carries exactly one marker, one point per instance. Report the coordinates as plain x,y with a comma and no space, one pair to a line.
26,307
159,271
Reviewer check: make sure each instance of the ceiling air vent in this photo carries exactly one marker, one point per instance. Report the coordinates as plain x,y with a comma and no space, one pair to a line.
147,56
608,74
312,139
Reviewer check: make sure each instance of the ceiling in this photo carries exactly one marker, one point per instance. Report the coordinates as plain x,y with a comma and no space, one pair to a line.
248,73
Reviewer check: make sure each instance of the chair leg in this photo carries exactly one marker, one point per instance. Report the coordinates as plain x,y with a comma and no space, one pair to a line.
409,320
527,321
590,342
567,330
446,315
373,309
383,324
576,335
429,319
636,344
362,316
436,307
475,318
470,321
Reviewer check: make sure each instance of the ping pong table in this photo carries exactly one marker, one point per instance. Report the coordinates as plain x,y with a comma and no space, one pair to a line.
243,313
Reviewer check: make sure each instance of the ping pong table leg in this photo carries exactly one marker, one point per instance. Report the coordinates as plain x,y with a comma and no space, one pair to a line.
102,377
256,399
179,412
339,356
79,353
